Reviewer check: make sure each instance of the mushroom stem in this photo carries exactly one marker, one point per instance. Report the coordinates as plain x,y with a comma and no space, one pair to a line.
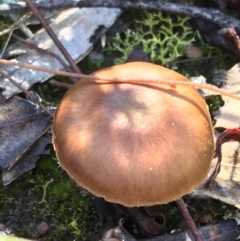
191,224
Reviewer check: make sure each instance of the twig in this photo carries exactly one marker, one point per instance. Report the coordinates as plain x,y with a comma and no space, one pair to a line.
53,36
191,224
52,71
112,81
59,84
183,61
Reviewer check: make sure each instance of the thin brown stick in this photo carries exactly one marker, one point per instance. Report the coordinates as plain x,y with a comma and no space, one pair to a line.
54,37
183,61
123,81
29,95
191,224
59,84
52,71
128,81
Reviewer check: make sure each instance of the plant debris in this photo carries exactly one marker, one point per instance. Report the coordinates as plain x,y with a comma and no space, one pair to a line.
70,26
224,231
229,116
21,125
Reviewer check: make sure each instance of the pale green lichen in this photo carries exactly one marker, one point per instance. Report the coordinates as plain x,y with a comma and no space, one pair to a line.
163,37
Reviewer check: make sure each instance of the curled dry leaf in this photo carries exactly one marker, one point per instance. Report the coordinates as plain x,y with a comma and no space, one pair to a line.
21,125
226,187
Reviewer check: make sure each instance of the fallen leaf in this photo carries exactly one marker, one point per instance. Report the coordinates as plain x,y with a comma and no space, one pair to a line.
77,29
226,186
21,125
27,162
229,115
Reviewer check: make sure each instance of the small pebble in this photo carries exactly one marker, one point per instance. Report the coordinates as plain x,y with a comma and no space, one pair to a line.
192,52
42,228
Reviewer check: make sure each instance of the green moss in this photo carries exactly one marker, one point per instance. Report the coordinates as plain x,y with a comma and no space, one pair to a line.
214,102
48,194
88,65
50,95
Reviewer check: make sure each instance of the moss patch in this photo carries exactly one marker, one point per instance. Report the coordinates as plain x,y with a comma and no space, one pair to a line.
48,194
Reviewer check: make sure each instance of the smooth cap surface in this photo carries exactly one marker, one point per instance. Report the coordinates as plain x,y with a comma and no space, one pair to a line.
137,145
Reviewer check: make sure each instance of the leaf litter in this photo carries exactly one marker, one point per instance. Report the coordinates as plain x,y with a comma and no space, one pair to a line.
71,26
21,125
226,186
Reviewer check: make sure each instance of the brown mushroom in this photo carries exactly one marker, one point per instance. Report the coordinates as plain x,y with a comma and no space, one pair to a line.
137,144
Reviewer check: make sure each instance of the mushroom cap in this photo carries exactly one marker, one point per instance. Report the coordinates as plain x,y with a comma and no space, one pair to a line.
134,144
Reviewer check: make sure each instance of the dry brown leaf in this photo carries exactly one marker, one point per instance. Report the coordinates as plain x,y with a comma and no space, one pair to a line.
21,125
77,29
27,162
